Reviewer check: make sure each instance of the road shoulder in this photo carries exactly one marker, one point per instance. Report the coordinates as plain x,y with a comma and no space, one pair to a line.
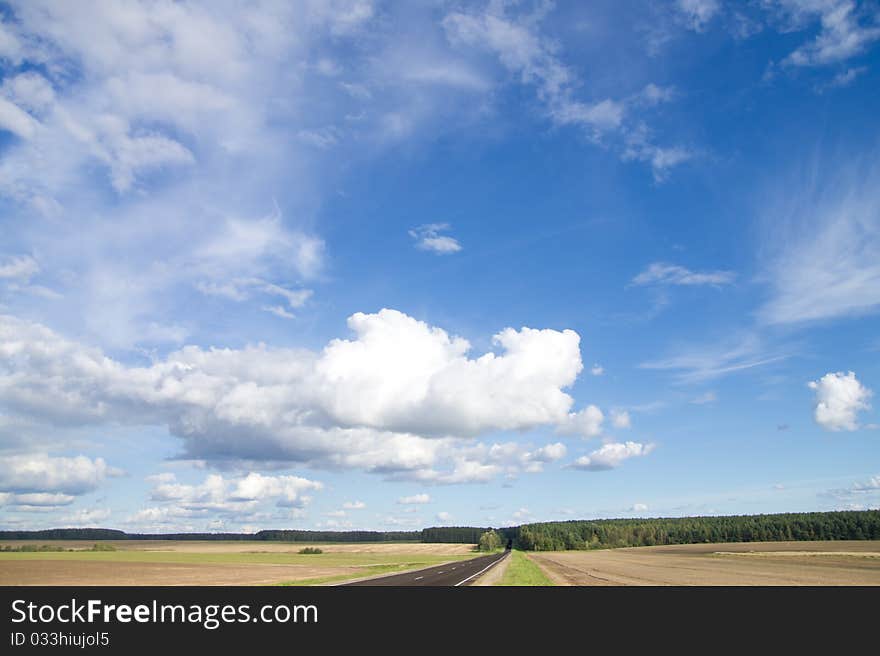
494,574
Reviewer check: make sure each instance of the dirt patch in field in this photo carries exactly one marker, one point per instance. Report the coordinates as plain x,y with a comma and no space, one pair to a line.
836,546
55,572
780,563
801,554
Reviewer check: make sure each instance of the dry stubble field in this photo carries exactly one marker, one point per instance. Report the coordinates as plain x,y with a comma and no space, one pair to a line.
749,563
160,562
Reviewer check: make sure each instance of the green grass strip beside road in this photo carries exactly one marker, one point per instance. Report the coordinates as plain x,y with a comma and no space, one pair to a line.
522,571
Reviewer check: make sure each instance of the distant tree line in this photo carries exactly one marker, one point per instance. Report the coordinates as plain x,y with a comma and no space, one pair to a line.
603,534
551,536
40,548
283,535
459,534
337,536
66,534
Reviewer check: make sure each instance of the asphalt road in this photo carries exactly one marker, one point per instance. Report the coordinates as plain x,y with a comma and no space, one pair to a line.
462,572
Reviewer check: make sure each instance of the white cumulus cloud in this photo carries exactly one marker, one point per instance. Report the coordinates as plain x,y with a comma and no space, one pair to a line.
586,422
620,419
429,238
399,375
415,499
41,473
839,398
250,497
611,455
86,517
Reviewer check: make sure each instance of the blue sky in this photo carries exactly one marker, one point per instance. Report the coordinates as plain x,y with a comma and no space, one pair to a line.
364,265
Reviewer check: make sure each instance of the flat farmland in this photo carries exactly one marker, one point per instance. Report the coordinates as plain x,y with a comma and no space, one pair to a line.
158,562
740,563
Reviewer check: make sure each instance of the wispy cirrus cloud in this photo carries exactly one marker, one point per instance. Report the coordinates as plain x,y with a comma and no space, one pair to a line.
842,79
697,14
847,29
861,495
663,273
821,250
835,31
705,398
699,364
18,267
521,48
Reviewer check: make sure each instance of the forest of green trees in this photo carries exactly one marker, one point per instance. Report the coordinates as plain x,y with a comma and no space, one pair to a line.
460,534
338,536
66,534
552,536
599,534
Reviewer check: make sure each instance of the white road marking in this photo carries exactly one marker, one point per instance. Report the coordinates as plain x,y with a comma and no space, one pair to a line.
494,562
418,578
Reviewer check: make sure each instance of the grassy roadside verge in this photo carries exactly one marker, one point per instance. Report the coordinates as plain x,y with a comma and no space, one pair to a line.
522,571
